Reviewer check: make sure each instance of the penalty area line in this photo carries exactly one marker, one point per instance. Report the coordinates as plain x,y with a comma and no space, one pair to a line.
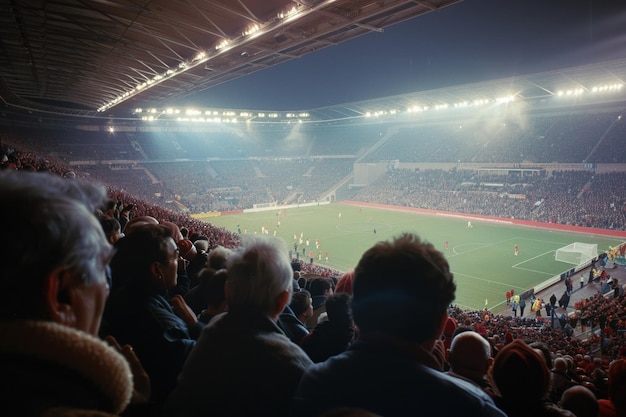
518,265
534,257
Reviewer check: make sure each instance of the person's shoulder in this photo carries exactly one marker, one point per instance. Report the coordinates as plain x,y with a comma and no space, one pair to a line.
155,307
217,322
453,383
277,346
469,398
335,365
606,408
409,386
275,338
287,316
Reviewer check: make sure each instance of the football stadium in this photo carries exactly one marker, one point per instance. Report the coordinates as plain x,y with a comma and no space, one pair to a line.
512,188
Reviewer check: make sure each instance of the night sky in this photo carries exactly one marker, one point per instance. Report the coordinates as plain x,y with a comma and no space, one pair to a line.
475,40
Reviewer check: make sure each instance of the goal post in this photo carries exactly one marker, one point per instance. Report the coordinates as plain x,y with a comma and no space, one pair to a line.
577,253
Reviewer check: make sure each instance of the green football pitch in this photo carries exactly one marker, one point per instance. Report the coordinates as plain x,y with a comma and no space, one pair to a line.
481,257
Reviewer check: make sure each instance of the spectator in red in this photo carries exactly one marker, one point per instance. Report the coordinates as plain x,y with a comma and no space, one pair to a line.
344,284
615,405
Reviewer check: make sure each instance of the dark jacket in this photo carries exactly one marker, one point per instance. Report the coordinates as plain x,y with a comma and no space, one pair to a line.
146,321
382,378
293,328
242,365
327,339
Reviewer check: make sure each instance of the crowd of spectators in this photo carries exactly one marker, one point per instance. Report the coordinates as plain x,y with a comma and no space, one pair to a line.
69,144
538,138
578,198
201,186
597,323
29,161
143,221
218,169
171,323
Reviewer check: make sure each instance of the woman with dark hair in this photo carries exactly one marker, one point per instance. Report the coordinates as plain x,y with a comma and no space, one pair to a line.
138,313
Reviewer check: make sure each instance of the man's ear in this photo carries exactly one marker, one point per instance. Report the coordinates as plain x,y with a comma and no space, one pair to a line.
56,293
155,270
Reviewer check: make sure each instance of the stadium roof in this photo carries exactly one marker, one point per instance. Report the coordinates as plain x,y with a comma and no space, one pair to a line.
605,80
108,57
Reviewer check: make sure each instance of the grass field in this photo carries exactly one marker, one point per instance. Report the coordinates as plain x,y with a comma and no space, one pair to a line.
481,257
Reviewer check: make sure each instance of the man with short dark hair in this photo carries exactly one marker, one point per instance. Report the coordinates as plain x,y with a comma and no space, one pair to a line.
320,288
401,293
291,320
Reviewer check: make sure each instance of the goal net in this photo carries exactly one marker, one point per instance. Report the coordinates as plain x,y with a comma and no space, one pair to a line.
577,253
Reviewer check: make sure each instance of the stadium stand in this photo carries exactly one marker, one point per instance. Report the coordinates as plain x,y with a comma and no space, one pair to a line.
509,173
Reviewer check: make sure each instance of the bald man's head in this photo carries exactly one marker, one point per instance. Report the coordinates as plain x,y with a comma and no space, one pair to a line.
580,401
470,355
